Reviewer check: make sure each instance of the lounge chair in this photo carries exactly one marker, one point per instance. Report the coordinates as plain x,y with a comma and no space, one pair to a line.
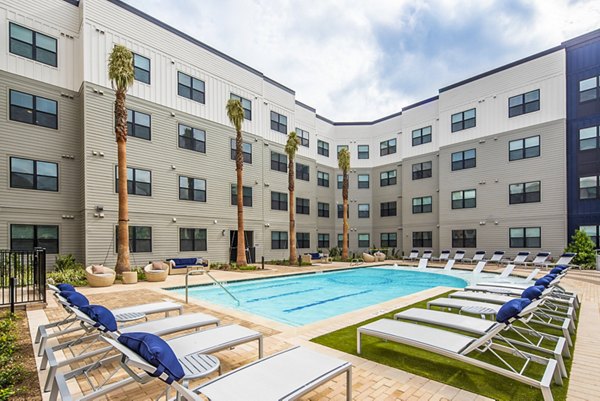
159,327
422,264
565,259
459,346
496,257
507,271
524,284
290,374
520,258
478,257
444,256
414,254
449,265
479,267
186,348
427,254
459,255
66,326
540,259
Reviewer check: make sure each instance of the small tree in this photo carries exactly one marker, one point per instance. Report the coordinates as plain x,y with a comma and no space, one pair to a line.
585,248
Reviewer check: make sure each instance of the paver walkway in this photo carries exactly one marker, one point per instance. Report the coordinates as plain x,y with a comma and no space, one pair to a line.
371,381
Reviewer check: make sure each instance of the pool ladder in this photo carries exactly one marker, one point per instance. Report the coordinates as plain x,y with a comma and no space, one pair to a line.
217,282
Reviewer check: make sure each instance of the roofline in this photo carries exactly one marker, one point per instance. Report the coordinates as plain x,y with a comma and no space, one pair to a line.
582,38
307,107
73,2
422,102
502,68
280,86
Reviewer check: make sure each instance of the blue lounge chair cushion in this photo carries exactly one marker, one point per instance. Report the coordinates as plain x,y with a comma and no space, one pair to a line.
103,317
533,292
562,267
556,270
75,298
66,287
547,279
511,309
156,352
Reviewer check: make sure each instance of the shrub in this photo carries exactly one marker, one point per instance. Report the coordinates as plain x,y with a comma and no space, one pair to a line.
334,252
141,274
67,270
10,371
585,249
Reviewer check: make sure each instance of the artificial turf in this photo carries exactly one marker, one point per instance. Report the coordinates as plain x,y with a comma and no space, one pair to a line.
442,369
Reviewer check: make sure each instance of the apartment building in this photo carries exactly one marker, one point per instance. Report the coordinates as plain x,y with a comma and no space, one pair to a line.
509,159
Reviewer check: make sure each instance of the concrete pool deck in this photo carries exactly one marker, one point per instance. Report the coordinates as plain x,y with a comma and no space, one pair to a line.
371,381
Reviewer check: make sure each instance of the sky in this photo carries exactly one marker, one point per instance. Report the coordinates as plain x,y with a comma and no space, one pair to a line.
359,60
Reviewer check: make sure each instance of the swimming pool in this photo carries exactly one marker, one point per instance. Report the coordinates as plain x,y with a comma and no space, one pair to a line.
301,299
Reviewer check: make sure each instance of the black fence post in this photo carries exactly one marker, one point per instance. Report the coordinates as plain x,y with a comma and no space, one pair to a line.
262,262
11,294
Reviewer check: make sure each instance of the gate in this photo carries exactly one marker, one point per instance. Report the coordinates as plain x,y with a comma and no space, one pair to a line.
22,276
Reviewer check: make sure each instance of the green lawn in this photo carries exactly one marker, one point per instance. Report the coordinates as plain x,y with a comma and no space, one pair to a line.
441,369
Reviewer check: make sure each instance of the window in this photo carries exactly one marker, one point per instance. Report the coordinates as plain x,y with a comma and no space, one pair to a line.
388,209
422,239
278,162
140,239
302,206
389,240
279,201
141,68
387,178
246,105
588,187
588,138
246,151
524,148
340,181
303,136
302,172
323,241
363,181
33,174
190,87
279,240
322,179
246,195
524,103
525,237
340,240
192,138
139,182
32,45
464,199
363,151
422,205
138,124
464,238
387,147
278,122
421,170
594,233
421,136
323,148
192,239
192,189
463,160
526,192
463,120
588,89
340,147
303,240
363,211
34,110
323,209
25,237
340,211
364,240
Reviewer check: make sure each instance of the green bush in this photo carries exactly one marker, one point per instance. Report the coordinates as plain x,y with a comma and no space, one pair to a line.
585,249
334,252
10,372
67,270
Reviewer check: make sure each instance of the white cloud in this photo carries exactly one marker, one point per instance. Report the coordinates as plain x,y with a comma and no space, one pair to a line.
356,60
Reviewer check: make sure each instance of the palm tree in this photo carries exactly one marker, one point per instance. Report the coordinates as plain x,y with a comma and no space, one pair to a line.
120,72
235,112
344,165
291,147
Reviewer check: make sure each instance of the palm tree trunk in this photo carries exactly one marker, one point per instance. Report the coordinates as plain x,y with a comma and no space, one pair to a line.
291,188
123,226
239,168
345,217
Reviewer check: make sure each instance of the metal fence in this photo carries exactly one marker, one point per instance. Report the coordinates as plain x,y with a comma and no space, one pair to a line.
22,276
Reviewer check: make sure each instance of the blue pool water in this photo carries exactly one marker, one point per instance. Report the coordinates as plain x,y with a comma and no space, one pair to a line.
302,299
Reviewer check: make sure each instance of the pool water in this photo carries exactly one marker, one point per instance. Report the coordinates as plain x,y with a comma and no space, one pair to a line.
302,299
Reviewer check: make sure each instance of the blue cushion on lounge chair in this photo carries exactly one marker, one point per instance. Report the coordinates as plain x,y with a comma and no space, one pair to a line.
66,287
511,309
556,270
75,298
547,279
533,292
563,267
156,352
103,317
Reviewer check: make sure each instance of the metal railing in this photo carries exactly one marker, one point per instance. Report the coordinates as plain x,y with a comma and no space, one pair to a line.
217,282
22,276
